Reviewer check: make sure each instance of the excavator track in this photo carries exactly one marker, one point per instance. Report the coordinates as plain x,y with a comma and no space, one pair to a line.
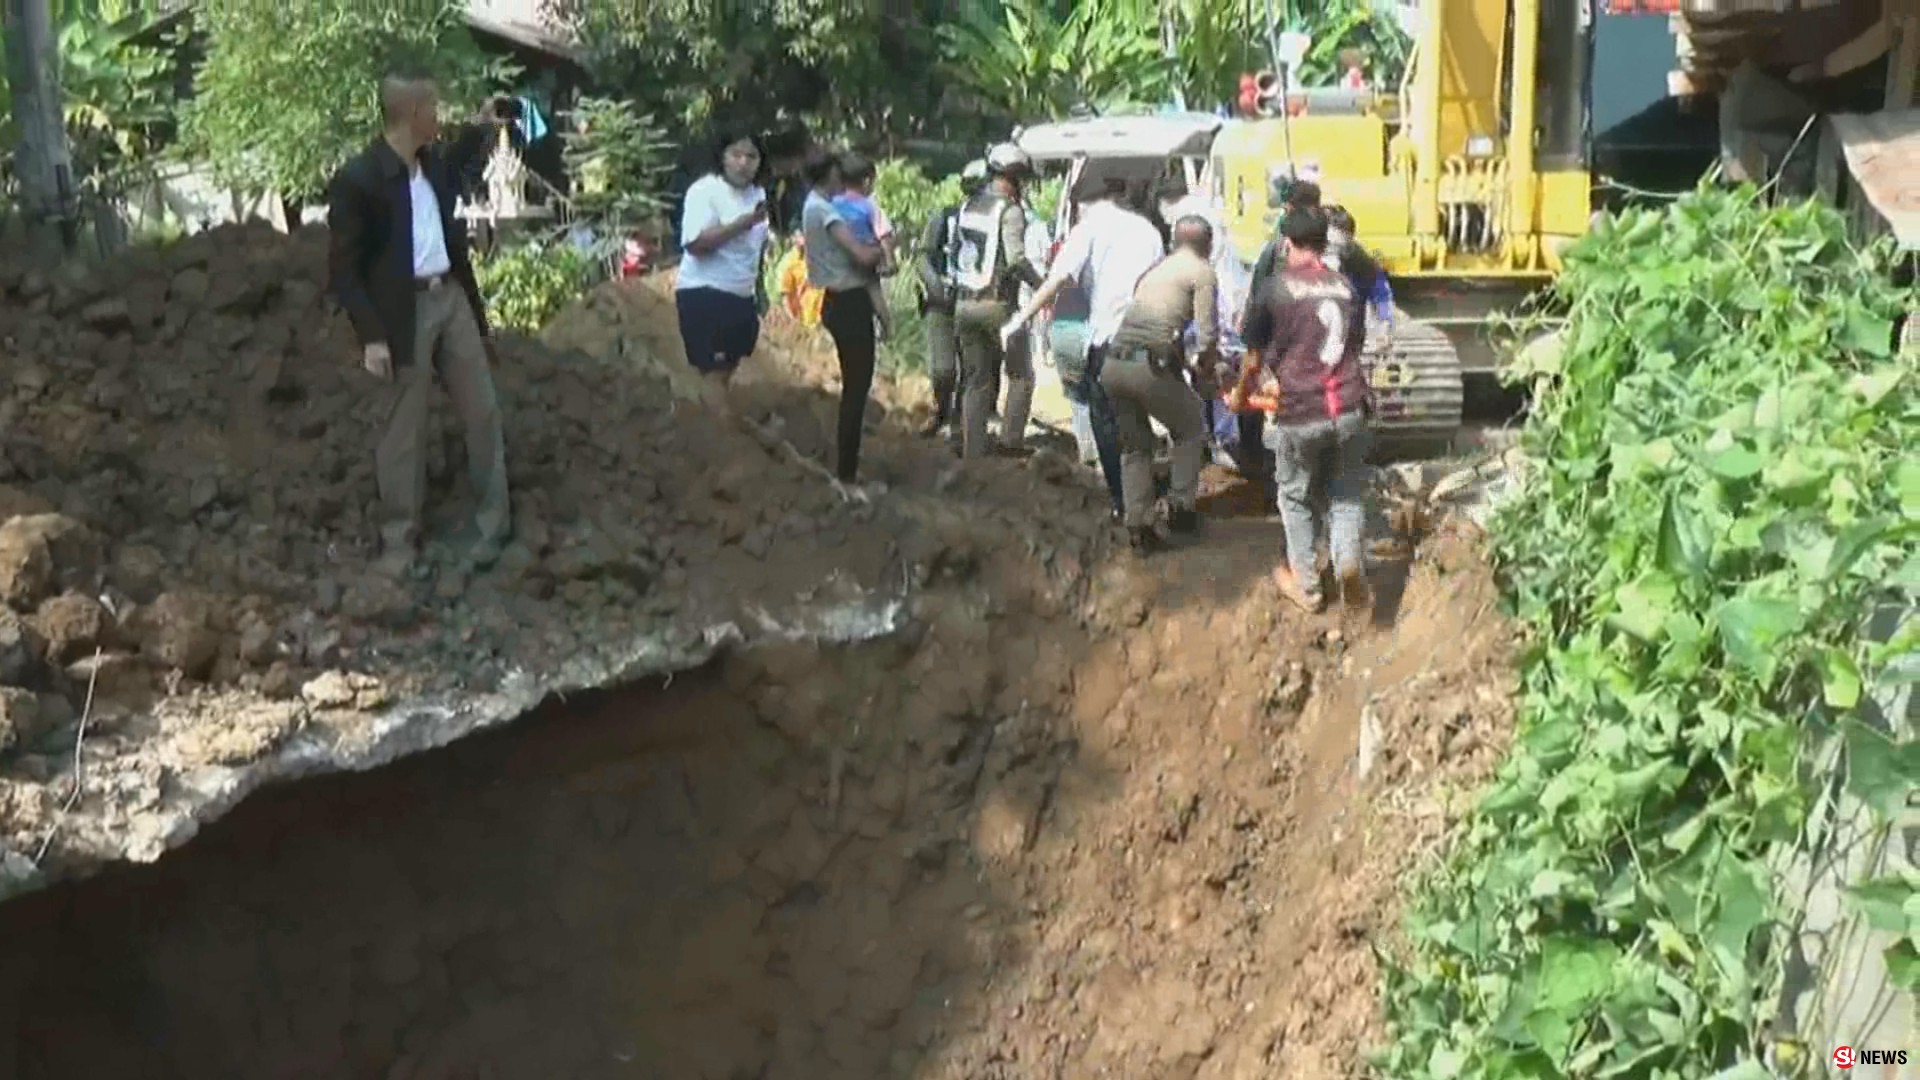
1418,387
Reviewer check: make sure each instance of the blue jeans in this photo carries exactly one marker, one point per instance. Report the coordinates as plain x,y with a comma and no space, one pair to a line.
1067,347
1333,453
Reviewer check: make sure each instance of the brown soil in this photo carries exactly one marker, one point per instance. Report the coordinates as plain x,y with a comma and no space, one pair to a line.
999,848
186,486
1085,817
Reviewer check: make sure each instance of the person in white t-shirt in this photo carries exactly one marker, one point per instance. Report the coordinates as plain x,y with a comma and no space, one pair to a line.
723,238
1106,253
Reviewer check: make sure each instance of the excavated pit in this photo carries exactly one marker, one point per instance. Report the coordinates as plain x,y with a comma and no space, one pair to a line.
1130,840
1071,817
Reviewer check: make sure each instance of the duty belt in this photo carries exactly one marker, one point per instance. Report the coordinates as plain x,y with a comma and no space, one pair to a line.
1160,360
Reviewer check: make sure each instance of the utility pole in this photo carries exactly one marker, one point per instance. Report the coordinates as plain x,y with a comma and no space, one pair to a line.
43,163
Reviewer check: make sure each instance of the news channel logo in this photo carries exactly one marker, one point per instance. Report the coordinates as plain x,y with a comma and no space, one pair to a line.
1846,1057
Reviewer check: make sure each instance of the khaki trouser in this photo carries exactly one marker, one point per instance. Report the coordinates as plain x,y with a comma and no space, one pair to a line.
978,324
1141,395
446,337
943,363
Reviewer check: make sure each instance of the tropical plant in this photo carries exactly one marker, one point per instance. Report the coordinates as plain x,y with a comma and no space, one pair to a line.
1039,59
1725,494
1367,26
1214,44
117,85
618,160
291,88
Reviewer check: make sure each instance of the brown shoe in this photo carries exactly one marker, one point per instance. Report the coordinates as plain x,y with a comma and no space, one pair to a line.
1292,591
1355,593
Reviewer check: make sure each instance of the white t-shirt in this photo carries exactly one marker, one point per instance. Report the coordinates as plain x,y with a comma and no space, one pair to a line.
735,265
1108,252
429,235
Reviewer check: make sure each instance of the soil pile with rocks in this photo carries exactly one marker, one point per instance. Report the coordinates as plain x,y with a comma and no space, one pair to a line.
187,533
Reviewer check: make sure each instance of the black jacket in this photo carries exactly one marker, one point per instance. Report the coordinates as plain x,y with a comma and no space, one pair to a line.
370,219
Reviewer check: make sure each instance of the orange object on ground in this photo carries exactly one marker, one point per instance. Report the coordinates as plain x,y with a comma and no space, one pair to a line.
802,300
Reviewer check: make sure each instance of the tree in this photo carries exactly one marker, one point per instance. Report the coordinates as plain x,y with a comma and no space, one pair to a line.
836,64
290,88
42,155
618,162
116,86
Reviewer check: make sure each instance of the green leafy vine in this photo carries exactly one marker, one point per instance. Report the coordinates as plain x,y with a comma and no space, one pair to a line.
1725,490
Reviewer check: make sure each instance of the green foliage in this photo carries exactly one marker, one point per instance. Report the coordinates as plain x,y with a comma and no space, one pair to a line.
1214,44
1043,200
1726,488
618,160
910,198
525,285
1035,59
700,62
291,88
1366,25
118,89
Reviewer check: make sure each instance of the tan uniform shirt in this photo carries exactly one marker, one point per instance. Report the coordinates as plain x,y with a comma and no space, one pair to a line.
1181,289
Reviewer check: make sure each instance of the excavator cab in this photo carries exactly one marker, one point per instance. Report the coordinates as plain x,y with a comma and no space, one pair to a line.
1467,180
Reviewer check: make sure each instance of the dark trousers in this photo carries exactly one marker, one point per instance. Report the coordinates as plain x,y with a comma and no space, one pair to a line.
848,316
1106,426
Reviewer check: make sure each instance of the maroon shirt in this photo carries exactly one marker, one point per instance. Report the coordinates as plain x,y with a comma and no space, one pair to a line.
1302,326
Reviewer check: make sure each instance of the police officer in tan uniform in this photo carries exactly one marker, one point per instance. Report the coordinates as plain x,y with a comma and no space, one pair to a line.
986,265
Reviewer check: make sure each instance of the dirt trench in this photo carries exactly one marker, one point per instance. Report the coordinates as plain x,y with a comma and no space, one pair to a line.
1122,837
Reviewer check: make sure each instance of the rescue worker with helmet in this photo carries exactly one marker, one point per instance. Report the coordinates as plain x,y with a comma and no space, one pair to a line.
987,264
936,306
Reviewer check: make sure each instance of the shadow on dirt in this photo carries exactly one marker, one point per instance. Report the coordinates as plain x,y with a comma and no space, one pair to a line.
769,867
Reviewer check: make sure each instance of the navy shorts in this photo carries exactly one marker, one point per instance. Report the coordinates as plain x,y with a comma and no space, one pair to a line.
719,328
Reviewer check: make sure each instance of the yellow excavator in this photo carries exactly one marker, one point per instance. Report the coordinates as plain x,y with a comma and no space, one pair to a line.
1466,213
1471,176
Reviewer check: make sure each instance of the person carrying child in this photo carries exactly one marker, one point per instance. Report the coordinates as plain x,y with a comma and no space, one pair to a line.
869,225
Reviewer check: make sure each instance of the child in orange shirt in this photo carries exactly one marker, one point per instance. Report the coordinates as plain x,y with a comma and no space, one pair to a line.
802,300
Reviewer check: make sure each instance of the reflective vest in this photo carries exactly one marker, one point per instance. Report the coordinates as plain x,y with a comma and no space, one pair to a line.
974,258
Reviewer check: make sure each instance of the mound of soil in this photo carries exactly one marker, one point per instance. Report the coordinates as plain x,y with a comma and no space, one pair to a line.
186,497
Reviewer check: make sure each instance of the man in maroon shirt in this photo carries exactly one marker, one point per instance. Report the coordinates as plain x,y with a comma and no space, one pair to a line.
1299,345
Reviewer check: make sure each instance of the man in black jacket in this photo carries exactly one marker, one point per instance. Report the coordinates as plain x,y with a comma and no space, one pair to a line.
399,265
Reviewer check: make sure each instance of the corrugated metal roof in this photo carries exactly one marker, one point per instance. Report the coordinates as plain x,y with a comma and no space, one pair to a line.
1883,157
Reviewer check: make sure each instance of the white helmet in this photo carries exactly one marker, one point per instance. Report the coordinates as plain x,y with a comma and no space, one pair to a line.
1007,159
974,172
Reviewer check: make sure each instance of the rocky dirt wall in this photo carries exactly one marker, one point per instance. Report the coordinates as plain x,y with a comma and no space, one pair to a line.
1124,834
